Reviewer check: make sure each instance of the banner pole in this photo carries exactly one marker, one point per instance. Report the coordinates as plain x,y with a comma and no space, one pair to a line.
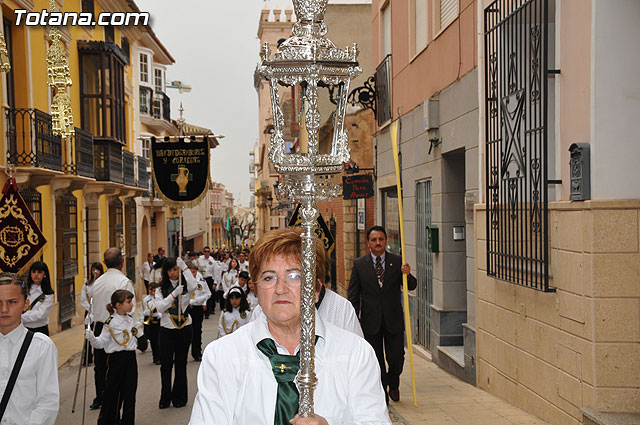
405,289
180,273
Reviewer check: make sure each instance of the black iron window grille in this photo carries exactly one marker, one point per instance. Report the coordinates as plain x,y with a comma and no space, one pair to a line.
143,174
84,153
31,141
67,236
116,226
131,228
383,91
33,199
146,98
107,161
516,70
128,168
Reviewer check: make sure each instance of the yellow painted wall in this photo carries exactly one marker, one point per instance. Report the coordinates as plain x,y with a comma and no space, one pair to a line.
104,223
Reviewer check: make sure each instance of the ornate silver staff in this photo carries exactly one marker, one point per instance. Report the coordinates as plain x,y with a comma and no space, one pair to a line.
303,66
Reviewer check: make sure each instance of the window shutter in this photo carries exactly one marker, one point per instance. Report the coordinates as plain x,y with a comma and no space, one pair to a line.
386,30
421,25
448,12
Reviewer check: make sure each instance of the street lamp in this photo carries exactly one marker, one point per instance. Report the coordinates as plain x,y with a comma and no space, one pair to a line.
304,65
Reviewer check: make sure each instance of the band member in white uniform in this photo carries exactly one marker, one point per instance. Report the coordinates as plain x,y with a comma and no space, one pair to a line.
198,303
236,312
95,272
172,300
219,268
152,321
36,318
230,277
102,290
206,266
35,396
252,297
243,263
120,337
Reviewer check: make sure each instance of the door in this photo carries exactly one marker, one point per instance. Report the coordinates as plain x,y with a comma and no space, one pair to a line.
424,291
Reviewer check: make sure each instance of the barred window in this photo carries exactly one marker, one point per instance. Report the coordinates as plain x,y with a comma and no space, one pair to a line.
517,104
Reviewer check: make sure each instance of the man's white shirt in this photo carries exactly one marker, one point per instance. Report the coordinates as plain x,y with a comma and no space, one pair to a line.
205,266
202,293
36,395
104,287
233,371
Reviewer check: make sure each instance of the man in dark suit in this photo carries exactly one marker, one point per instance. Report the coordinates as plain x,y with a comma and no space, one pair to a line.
375,291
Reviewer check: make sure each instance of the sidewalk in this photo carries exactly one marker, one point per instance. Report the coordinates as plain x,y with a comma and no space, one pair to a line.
442,398
446,400
69,344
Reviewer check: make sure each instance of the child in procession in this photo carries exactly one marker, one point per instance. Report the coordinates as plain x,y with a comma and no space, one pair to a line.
236,312
152,321
252,295
36,318
198,303
119,339
34,396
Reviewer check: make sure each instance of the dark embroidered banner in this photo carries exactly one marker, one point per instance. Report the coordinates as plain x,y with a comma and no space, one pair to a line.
181,169
322,230
20,237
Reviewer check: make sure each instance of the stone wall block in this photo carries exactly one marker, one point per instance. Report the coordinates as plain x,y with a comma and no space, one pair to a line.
617,400
617,365
616,275
571,306
615,231
569,272
566,230
617,320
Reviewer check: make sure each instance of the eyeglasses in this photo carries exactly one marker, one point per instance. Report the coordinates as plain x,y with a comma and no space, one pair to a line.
270,280
206,252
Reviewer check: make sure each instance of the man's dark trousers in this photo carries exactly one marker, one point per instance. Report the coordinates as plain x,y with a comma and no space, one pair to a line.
380,312
99,366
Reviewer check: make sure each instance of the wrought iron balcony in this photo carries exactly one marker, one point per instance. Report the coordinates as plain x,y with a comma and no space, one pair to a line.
79,158
30,139
383,90
143,174
108,160
128,168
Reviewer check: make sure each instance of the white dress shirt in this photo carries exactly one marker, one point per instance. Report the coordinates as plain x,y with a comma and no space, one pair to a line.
219,267
252,299
230,321
236,384
145,271
334,309
205,265
36,396
118,334
202,293
38,313
104,287
85,297
163,304
382,258
229,280
244,267
149,305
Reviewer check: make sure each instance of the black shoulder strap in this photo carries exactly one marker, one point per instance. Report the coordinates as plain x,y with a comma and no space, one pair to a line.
14,372
40,297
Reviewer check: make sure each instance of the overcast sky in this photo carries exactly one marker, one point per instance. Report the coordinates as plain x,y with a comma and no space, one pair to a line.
215,48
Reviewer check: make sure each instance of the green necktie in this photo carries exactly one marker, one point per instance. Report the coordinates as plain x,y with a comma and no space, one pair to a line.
284,369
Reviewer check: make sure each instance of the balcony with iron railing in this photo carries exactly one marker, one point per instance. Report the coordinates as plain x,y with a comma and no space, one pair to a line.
155,110
108,161
30,139
78,154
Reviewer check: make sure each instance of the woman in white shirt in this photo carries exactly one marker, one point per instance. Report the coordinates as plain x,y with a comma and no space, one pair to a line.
174,337
230,277
36,318
145,271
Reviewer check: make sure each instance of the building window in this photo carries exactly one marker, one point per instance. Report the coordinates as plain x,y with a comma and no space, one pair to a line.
158,80
516,140
88,6
67,236
146,99
126,47
116,226
109,34
144,68
102,90
386,30
419,26
146,148
447,13
390,219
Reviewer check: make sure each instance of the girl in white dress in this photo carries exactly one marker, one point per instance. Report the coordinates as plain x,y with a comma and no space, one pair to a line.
236,312
36,318
230,277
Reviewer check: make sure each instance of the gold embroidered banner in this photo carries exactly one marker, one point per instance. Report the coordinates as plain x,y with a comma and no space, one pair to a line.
20,238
